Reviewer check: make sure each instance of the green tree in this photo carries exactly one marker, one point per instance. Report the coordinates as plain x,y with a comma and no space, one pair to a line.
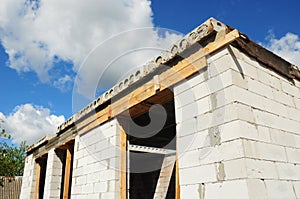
12,157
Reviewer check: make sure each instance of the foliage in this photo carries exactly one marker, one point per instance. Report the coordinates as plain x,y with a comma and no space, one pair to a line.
2,131
12,157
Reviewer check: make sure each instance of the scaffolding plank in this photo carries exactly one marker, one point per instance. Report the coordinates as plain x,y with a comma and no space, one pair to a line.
165,175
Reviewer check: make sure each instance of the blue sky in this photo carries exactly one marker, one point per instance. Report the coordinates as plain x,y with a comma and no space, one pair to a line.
44,43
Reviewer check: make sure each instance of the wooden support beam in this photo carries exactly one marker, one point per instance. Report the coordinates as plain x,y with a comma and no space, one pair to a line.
67,173
37,180
123,163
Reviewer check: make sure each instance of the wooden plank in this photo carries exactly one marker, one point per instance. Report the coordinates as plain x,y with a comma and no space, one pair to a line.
123,163
67,173
37,180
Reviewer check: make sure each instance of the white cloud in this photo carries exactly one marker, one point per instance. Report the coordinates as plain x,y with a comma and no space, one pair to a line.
288,47
63,83
30,123
38,34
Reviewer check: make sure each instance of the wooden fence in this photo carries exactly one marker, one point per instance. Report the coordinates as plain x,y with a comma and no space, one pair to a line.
10,187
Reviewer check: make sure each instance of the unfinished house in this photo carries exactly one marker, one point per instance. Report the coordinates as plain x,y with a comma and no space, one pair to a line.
215,116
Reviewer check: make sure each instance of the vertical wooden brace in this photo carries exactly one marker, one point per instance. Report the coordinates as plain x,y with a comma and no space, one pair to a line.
37,180
67,173
123,151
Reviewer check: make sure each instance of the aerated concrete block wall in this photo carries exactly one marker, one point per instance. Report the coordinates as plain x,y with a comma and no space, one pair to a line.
28,181
238,127
54,174
96,163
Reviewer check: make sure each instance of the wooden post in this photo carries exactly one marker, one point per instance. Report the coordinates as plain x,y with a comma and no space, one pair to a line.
37,180
123,143
67,173
177,182
177,188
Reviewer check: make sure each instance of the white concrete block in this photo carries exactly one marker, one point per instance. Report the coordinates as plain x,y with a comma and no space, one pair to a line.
203,105
109,195
191,110
186,127
199,174
264,151
186,113
256,189
76,189
259,88
280,189
246,68
275,121
288,171
293,155
201,90
235,189
107,175
268,79
238,129
88,188
263,134
190,191
235,169
100,187
196,79
290,89
275,107
297,102
293,113
283,98
185,98
237,94
225,151
81,180
232,150
296,186
261,169
239,79
204,121
225,114
283,138
192,142
219,62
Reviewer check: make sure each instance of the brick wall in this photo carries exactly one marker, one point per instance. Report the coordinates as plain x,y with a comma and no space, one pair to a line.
238,126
